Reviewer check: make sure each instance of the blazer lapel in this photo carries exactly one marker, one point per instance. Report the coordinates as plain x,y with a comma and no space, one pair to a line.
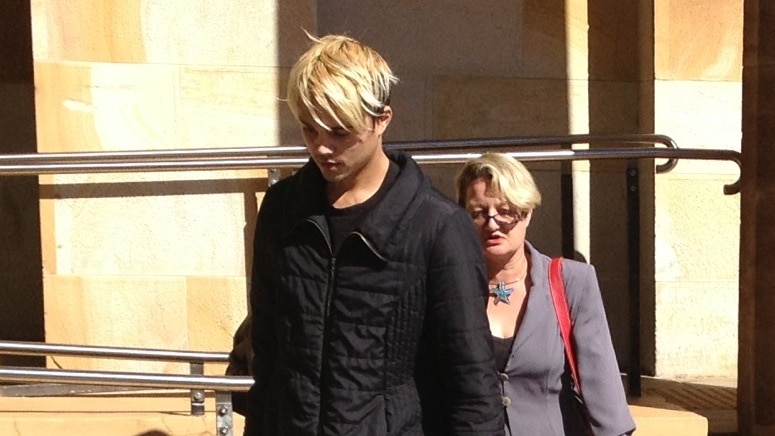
539,304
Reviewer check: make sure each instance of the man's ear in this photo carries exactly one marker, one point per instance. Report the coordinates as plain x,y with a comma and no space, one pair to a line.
383,120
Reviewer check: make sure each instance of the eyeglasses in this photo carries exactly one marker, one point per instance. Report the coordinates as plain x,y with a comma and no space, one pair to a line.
502,218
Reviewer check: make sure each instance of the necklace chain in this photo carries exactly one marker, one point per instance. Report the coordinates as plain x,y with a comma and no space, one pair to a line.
512,282
517,280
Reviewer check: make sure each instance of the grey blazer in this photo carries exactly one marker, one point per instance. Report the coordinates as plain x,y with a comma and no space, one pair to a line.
536,380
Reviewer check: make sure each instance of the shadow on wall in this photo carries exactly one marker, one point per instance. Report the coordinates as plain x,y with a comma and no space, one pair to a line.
21,281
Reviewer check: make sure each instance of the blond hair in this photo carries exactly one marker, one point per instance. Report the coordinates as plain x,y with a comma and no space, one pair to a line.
508,178
341,79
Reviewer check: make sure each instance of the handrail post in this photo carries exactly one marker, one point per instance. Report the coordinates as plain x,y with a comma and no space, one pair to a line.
197,395
566,209
224,414
273,176
633,246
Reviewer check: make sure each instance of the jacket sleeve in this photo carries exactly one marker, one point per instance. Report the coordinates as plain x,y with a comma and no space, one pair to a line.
601,383
460,334
262,326
240,359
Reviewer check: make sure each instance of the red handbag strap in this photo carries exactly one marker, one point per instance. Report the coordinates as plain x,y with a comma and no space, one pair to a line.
557,287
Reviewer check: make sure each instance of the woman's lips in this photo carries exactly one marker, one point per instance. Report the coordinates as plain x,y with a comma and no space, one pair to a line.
493,240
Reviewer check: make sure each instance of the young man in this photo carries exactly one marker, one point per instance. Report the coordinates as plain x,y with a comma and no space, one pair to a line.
369,289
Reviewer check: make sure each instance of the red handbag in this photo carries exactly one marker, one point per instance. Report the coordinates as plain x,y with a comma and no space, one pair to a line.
557,287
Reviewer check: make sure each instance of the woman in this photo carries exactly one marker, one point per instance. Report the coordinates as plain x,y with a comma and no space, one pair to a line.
500,194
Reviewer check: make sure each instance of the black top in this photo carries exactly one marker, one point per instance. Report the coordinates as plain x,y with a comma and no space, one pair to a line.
341,222
501,351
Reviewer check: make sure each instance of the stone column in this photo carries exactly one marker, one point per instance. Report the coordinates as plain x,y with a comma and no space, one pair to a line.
156,260
21,288
756,363
756,387
697,80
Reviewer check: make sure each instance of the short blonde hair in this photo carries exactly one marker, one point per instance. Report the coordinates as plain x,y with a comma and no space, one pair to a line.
342,79
508,178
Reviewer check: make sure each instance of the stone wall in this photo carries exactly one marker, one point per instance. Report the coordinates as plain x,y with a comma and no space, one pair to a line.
698,94
160,259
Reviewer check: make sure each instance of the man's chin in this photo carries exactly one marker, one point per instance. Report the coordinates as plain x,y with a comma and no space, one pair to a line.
332,177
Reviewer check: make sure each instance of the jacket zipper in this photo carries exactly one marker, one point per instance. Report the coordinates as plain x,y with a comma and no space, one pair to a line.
329,298
367,243
324,355
327,309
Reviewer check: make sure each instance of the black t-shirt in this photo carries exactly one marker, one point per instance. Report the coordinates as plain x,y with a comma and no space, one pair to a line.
343,221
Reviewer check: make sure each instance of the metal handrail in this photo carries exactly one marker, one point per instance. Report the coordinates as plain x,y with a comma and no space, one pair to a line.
611,153
196,382
79,163
290,151
567,140
23,348
129,379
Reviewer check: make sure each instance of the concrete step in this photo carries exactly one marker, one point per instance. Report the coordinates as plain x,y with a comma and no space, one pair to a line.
168,415
656,417
715,398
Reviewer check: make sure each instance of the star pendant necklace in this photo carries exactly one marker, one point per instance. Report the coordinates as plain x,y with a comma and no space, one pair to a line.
502,293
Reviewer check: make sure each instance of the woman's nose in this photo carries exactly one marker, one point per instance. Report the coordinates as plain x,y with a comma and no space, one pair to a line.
491,223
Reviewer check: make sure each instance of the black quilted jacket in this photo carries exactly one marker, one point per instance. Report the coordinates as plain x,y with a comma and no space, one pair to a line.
386,337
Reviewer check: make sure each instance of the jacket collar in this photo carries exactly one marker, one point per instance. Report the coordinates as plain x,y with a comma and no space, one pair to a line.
307,202
391,215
